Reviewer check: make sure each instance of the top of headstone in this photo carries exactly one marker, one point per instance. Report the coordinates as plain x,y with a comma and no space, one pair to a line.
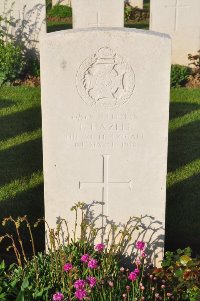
98,13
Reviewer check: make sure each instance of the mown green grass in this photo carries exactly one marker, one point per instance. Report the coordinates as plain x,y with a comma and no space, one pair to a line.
183,193
147,4
21,180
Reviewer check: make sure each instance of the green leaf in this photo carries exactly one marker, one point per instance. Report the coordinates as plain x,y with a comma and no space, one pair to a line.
25,284
20,296
178,273
3,297
2,265
184,259
38,294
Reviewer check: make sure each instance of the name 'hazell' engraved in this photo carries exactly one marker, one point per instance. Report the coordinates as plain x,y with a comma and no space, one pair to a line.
105,127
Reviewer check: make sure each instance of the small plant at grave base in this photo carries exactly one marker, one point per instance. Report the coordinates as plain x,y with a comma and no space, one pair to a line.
11,62
181,273
16,64
82,270
11,56
33,67
48,5
194,79
60,11
127,12
179,75
135,14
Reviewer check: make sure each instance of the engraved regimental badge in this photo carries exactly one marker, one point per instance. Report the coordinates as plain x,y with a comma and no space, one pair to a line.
105,79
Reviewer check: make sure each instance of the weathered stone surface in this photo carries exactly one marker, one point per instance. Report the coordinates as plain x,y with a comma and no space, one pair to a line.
105,124
180,19
98,13
136,3
27,21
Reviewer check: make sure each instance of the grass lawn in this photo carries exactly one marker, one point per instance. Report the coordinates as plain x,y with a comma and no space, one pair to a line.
21,181
183,193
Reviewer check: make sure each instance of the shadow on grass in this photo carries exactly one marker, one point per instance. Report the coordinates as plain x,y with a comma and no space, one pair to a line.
21,187
184,145
20,161
20,122
5,103
183,195
178,109
182,215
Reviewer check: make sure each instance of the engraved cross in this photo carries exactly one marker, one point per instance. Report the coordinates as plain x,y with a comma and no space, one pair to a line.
98,21
176,7
105,184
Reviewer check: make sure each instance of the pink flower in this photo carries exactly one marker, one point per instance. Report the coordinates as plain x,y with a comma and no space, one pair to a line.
92,264
132,276
92,281
79,284
80,294
67,267
140,245
85,258
144,255
58,296
110,283
128,288
137,262
122,269
100,247
137,271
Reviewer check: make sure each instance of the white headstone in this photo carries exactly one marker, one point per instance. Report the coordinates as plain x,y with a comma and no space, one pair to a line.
61,2
180,19
136,3
98,13
27,21
105,113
